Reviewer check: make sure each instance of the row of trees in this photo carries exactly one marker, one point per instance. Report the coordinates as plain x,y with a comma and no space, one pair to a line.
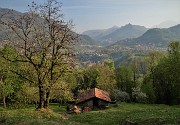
151,79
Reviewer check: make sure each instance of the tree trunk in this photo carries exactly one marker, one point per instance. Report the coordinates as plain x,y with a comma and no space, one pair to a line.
46,103
41,98
4,101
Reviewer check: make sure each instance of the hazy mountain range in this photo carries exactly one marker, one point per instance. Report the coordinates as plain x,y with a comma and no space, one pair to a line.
100,33
167,24
126,35
114,34
155,36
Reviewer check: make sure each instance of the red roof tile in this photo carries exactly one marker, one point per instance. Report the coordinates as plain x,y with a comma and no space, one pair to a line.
95,92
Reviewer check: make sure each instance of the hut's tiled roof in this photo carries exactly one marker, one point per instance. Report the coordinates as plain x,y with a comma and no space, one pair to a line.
95,92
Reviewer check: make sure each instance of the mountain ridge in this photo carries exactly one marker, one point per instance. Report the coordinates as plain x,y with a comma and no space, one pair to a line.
166,24
155,36
115,34
97,34
13,14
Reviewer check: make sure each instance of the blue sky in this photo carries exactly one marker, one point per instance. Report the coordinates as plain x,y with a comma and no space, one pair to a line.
100,14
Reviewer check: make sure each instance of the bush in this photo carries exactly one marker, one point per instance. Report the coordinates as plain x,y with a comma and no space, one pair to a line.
138,96
121,96
3,117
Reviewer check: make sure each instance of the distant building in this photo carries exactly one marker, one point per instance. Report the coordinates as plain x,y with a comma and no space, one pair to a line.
94,98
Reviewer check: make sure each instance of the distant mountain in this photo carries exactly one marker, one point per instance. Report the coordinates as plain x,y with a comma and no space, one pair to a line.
14,13
166,24
156,37
82,40
124,32
100,33
86,40
114,34
7,14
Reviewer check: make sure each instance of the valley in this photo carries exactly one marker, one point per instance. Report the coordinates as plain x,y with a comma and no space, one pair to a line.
122,50
119,44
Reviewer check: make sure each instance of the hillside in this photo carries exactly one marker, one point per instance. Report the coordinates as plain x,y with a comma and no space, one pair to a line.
100,33
12,14
114,34
86,40
124,32
166,24
85,44
160,36
156,37
7,14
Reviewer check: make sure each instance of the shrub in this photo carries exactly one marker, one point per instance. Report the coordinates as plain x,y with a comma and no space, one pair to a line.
138,96
121,96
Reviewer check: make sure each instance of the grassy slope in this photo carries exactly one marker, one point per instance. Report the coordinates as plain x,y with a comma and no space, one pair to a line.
138,113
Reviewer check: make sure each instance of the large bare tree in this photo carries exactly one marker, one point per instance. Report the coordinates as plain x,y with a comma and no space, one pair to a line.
44,43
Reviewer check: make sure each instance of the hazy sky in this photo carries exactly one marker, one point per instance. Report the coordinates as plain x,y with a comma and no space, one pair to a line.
98,14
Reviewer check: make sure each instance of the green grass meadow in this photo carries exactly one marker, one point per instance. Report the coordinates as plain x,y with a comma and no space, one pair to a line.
120,114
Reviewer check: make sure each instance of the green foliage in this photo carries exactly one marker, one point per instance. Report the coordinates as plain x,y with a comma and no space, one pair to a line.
61,92
43,44
86,79
148,89
124,76
90,76
27,95
153,59
109,63
138,95
106,80
9,82
119,95
99,75
166,76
